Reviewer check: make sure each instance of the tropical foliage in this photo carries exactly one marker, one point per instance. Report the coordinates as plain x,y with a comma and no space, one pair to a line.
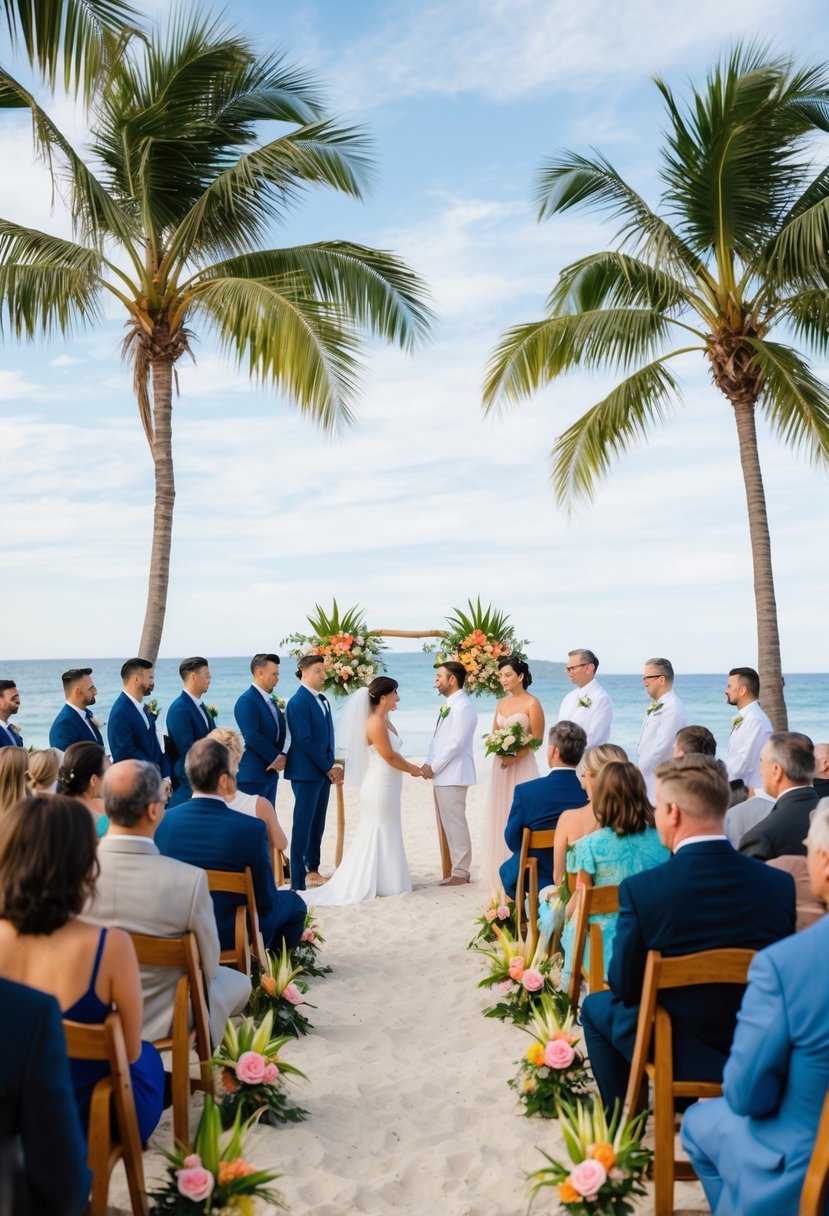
521,979
352,655
278,990
253,1073
552,1069
478,639
306,954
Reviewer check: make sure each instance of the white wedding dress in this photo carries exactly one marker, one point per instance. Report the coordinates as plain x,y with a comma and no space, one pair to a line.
375,860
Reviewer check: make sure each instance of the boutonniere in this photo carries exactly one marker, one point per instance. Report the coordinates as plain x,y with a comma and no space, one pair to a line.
444,711
736,721
278,701
16,729
585,702
213,711
98,722
153,707
653,707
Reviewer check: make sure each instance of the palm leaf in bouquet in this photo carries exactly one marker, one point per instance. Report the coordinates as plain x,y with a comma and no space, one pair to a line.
253,1073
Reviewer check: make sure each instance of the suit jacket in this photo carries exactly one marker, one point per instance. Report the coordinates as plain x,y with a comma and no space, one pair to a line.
9,738
311,753
205,832
130,738
38,1108
69,727
143,892
784,829
185,725
450,753
264,737
537,805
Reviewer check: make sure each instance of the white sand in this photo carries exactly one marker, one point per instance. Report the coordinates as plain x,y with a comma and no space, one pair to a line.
409,1108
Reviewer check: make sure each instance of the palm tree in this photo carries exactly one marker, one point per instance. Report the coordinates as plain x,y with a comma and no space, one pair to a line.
169,227
739,251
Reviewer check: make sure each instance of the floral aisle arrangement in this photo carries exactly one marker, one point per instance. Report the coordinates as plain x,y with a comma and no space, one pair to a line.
279,991
213,1176
478,640
510,740
253,1073
552,1071
500,913
521,979
352,654
305,955
606,1165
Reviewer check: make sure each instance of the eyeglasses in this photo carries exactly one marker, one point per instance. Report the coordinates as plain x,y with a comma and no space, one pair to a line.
576,666
646,678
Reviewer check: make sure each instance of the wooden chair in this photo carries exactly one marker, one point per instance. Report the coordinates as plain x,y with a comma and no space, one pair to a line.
528,866
115,1090
191,1025
590,901
706,967
247,934
816,1184
279,861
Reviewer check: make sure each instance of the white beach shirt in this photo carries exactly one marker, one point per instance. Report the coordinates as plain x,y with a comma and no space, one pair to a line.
450,754
595,719
656,740
745,743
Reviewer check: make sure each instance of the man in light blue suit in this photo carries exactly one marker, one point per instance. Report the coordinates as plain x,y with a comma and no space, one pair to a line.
10,736
751,1147
75,722
310,769
262,724
131,727
188,719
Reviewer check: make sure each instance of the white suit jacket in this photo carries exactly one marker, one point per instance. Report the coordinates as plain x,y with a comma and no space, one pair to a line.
596,718
656,741
745,743
143,892
450,754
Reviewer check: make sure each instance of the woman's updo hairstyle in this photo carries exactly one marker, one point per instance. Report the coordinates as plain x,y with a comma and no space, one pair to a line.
81,762
379,687
520,668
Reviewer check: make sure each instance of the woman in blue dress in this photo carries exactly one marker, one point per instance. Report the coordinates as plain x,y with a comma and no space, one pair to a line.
48,867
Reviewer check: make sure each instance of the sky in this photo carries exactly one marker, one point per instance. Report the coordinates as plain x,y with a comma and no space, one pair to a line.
424,503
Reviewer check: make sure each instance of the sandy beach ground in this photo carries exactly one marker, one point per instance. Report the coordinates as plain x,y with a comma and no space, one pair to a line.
408,1105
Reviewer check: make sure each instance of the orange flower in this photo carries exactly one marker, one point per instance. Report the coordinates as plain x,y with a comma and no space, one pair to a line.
229,1171
567,1193
229,1081
535,1054
269,985
604,1154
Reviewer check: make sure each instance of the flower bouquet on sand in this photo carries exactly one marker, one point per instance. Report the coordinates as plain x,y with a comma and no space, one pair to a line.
213,1175
278,990
552,1070
478,640
352,655
521,979
305,955
510,740
606,1165
253,1073
501,912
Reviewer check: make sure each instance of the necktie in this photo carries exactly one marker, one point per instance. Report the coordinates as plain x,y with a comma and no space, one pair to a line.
87,713
149,718
274,711
206,715
324,704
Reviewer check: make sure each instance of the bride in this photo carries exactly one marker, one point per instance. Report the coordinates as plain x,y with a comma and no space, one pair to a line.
375,861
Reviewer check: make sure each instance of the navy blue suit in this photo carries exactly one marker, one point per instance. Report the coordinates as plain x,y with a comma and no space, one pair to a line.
38,1108
69,727
537,805
185,725
130,738
707,897
264,737
310,757
9,738
205,832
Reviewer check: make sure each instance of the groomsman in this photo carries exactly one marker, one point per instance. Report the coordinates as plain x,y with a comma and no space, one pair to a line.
187,721
75,723
262,724
10,736
451,765
588,705
131,727
750,728
310,770
663,718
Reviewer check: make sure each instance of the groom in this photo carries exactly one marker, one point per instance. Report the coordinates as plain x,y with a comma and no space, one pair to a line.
310,769
450,764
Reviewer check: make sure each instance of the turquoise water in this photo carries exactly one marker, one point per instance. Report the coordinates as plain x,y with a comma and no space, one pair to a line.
41,696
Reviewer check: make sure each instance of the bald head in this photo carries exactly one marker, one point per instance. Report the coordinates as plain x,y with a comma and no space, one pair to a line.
822,761
133,797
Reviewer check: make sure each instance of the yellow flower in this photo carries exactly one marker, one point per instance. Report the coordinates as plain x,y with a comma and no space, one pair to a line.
535,1054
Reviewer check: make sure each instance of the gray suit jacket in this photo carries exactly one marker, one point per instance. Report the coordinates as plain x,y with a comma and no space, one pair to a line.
143,892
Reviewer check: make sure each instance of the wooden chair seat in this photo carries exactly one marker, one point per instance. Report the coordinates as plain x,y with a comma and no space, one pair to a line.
590,901
816,1183
527,882
247,934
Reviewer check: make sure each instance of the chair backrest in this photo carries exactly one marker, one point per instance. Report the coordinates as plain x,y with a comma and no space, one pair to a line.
180,952
816,1184
590,901
240,882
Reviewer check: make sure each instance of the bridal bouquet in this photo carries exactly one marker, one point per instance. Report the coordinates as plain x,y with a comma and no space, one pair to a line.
552,1070
352,655
521,980
278,991
477,641
305,955
606,1162
501,912
213,1175
510,740
253,1073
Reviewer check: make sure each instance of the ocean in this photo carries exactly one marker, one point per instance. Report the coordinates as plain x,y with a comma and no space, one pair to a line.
41,696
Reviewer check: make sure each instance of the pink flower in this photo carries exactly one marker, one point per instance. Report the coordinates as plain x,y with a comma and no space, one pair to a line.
505,986
516,967
532,980
491,914
588,1176
558,1054
271,1073
292,994
503,912
194,1183
192,1161
250,1068
308,935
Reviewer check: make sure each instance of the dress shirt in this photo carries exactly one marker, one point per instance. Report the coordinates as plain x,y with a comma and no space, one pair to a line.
322,703
595,719
200,707
141,707
86,722
704,839
745,743
656,741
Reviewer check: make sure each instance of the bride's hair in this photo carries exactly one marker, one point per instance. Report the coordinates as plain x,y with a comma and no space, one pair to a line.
379,687
518,666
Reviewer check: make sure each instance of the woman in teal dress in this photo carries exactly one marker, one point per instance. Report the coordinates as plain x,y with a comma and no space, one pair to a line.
81,776
625,842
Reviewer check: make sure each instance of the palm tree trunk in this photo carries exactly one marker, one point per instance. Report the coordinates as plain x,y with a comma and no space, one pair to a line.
165,494
768,635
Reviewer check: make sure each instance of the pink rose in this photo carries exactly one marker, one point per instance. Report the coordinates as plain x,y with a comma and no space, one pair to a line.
193,1160
292,994
532,980
194,1183
588,1176
271,1073
503,912
250,1068
308,935
516,967
558,1054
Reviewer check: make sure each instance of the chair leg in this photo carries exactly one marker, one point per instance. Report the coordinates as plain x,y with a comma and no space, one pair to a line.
663,1158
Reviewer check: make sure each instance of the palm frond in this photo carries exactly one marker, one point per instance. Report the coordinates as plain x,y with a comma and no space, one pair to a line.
794,401
488,620
612,279
326,624
46,283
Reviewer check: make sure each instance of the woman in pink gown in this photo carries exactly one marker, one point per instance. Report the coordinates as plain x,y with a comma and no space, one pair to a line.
509,771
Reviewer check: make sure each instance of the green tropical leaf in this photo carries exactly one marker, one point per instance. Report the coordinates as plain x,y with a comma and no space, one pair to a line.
795,402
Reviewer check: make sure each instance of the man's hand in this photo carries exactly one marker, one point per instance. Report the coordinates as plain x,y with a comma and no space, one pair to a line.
277,765
335,775
427,771
167,787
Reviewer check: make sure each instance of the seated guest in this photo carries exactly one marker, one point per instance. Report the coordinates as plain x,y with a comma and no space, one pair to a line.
538,804
188,719
624,843
250,804
13,768
820,781
694,740
131,727
42,771
787,765
75,723
205,832
143,892
706,897
48,867
39,1121
739,793
263,728
741,817
751,1147
578,821
81,776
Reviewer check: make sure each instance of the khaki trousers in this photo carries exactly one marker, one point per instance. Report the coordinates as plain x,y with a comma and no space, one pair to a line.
450,805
